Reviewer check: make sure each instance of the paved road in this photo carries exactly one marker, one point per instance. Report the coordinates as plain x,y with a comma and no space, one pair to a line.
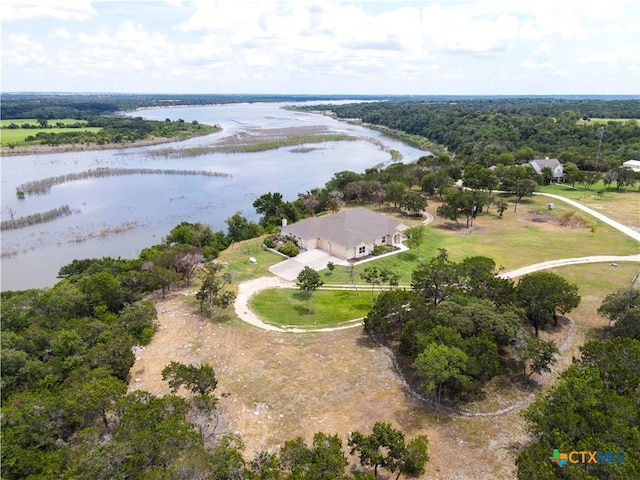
247,289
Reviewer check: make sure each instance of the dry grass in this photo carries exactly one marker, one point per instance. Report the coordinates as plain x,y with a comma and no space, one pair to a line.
279,386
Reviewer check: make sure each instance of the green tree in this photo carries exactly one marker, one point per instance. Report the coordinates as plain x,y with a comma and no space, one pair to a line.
309,280
439,368
213,290
384,447
414,458
391,310
459,202
201,381
543,295
437,279
395,192
595,402
415,237
414,203
239,228
622,308
533,353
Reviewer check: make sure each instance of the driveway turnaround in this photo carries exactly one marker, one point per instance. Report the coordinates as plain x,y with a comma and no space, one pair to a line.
316,259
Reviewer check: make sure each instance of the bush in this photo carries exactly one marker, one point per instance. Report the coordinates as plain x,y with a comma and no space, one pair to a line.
382,249
269,242
290,249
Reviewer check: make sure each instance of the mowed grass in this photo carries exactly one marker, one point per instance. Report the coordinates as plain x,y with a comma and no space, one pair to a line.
620,205
17,136
512,241
290,307
237,259
606,120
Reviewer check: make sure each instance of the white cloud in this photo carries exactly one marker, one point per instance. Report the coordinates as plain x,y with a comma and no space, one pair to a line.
62,33
536,66
22,51
60,9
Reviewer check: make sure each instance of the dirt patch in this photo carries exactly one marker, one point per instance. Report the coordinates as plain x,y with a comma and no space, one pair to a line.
277,386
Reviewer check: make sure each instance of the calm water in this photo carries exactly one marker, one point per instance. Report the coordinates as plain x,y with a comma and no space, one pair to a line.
119,216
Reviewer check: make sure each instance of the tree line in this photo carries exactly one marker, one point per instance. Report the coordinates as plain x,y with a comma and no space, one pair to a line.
482,130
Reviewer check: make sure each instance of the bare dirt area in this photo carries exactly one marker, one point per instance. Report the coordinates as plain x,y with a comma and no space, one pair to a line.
276,386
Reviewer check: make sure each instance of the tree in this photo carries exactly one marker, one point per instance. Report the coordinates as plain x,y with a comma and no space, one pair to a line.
543,295
459,202
335,200
271,207
384,447
572,172
414,458
391,310
622,308
533,352
501,206
625,177
378,276
186,263
309,280
324,460
414,203
396,192
239,228
440,367
201,381
437,279
415,237
595,402
212,290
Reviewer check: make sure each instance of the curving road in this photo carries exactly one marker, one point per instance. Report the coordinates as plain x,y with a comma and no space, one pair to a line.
251,287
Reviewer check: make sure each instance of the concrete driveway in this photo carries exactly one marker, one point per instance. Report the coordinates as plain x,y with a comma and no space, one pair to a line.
316,259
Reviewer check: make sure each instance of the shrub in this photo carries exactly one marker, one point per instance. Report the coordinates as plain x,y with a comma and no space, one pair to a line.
269,242
382,249
290,249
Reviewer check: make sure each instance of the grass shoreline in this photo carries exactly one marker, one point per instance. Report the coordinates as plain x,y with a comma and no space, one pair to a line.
86,147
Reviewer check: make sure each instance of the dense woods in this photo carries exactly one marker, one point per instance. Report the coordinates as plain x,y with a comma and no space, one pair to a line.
492,131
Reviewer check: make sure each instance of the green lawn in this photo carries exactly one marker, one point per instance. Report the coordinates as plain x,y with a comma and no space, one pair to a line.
290,307
237,259
32,121
17,136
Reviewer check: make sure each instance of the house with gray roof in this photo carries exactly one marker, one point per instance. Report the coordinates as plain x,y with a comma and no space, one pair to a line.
350,234
553,163
632,164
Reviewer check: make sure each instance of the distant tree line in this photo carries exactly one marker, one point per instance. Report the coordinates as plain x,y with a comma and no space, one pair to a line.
483,130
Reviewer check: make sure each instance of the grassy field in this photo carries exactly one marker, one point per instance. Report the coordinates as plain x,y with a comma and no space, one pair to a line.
606,120
289,307
17,136
494,237
620,205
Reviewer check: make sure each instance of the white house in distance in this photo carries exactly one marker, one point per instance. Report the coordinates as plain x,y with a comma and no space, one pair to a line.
553,163
632,164
350,234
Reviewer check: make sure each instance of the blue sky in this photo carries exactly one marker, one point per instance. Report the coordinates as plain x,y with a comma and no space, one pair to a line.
490,47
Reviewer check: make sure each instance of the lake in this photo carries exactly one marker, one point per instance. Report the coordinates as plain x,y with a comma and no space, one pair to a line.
119,216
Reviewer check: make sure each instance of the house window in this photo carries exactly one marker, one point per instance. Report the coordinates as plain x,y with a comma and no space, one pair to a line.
384,240
361,250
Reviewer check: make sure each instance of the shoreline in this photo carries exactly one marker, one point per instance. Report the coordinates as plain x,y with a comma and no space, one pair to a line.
87,147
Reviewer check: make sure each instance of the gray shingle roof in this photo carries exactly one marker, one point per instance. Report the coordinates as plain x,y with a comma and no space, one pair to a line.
348,228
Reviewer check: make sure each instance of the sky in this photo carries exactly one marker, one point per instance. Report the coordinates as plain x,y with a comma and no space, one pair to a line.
368,47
